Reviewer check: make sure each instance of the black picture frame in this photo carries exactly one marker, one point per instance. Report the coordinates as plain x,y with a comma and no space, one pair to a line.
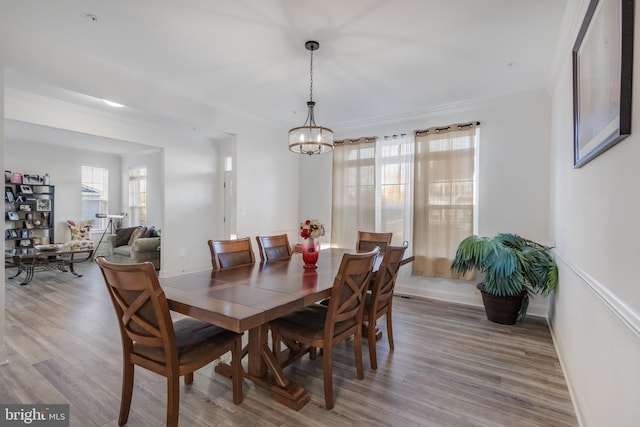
12,216
8,195
602,79
25,189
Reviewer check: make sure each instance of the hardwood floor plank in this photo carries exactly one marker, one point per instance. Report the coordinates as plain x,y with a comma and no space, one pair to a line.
451,367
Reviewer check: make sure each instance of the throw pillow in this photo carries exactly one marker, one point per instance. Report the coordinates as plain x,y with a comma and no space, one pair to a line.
151,232
138,232
123,235
80,230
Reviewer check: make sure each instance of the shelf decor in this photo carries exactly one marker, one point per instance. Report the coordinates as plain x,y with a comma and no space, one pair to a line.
602,77
43,205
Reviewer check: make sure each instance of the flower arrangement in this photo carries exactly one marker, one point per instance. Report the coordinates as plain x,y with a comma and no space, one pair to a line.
311,228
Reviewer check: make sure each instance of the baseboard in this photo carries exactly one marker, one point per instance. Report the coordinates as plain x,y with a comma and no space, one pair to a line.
456,291
573,392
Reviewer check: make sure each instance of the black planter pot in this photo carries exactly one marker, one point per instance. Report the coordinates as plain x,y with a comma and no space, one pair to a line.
503,310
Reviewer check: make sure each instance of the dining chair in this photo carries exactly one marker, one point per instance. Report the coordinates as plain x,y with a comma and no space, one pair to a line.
320,326
274,247
379,301
368,240
152,340
231,253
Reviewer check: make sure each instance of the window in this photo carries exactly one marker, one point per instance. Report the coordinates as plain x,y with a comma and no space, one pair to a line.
95,195
420,189
371,189
138,195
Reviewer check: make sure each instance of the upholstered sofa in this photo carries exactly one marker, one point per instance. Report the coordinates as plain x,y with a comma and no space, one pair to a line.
136,244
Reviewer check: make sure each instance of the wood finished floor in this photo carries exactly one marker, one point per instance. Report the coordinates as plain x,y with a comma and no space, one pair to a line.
451,367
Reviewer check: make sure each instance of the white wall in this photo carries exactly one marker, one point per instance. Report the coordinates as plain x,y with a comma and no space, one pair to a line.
513,192
64,167
3,347
596,318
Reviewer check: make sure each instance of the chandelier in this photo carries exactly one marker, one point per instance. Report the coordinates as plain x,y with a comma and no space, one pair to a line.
310,138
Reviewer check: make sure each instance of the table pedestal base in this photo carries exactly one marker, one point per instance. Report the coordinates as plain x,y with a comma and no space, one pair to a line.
266,371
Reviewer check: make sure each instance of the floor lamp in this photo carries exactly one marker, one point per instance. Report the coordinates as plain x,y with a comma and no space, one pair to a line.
108,227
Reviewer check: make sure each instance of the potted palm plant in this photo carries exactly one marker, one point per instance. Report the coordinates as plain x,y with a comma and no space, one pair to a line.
514,269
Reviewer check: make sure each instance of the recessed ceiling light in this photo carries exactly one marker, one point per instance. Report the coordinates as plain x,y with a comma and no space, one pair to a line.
112,104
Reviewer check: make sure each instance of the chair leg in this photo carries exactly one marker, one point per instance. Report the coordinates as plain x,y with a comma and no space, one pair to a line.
327,368
236,366
371,345
389,330
173,399
357,348
127,392
188,378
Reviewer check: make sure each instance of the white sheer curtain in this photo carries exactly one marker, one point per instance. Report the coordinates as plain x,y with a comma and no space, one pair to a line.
353,190
394,202
372,189
444,197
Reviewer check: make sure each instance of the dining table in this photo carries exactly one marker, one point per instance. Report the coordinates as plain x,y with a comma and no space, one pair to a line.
244,299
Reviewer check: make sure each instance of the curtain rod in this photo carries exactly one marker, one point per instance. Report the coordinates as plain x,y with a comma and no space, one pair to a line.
455,126
368,139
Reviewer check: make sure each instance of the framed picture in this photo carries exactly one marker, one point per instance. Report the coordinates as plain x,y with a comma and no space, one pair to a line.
25,189
602,74
8,195
24,234
43,205
28,225
12,234
24,208
12,216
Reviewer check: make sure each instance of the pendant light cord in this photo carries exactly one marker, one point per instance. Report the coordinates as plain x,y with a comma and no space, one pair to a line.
311,78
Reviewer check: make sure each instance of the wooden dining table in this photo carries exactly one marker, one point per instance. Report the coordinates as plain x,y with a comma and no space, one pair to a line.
247,298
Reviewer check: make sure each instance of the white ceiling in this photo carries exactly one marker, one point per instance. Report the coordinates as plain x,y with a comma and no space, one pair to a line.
377,58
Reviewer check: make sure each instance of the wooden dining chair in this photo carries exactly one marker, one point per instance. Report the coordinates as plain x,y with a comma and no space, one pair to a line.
320,326
151,339
274,247
379,301
368,240
231,253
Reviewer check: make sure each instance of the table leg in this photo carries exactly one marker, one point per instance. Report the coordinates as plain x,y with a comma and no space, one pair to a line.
264,369
29,276
20,270
72,271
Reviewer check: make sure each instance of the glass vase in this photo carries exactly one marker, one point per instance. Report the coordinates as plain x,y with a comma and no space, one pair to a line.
310,251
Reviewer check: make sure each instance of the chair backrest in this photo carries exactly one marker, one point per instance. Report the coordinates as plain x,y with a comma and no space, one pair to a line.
368,240
347,293
231,253
386,275
274,247
141,307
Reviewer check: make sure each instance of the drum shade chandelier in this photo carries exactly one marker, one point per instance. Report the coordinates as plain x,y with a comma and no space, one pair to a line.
311,138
